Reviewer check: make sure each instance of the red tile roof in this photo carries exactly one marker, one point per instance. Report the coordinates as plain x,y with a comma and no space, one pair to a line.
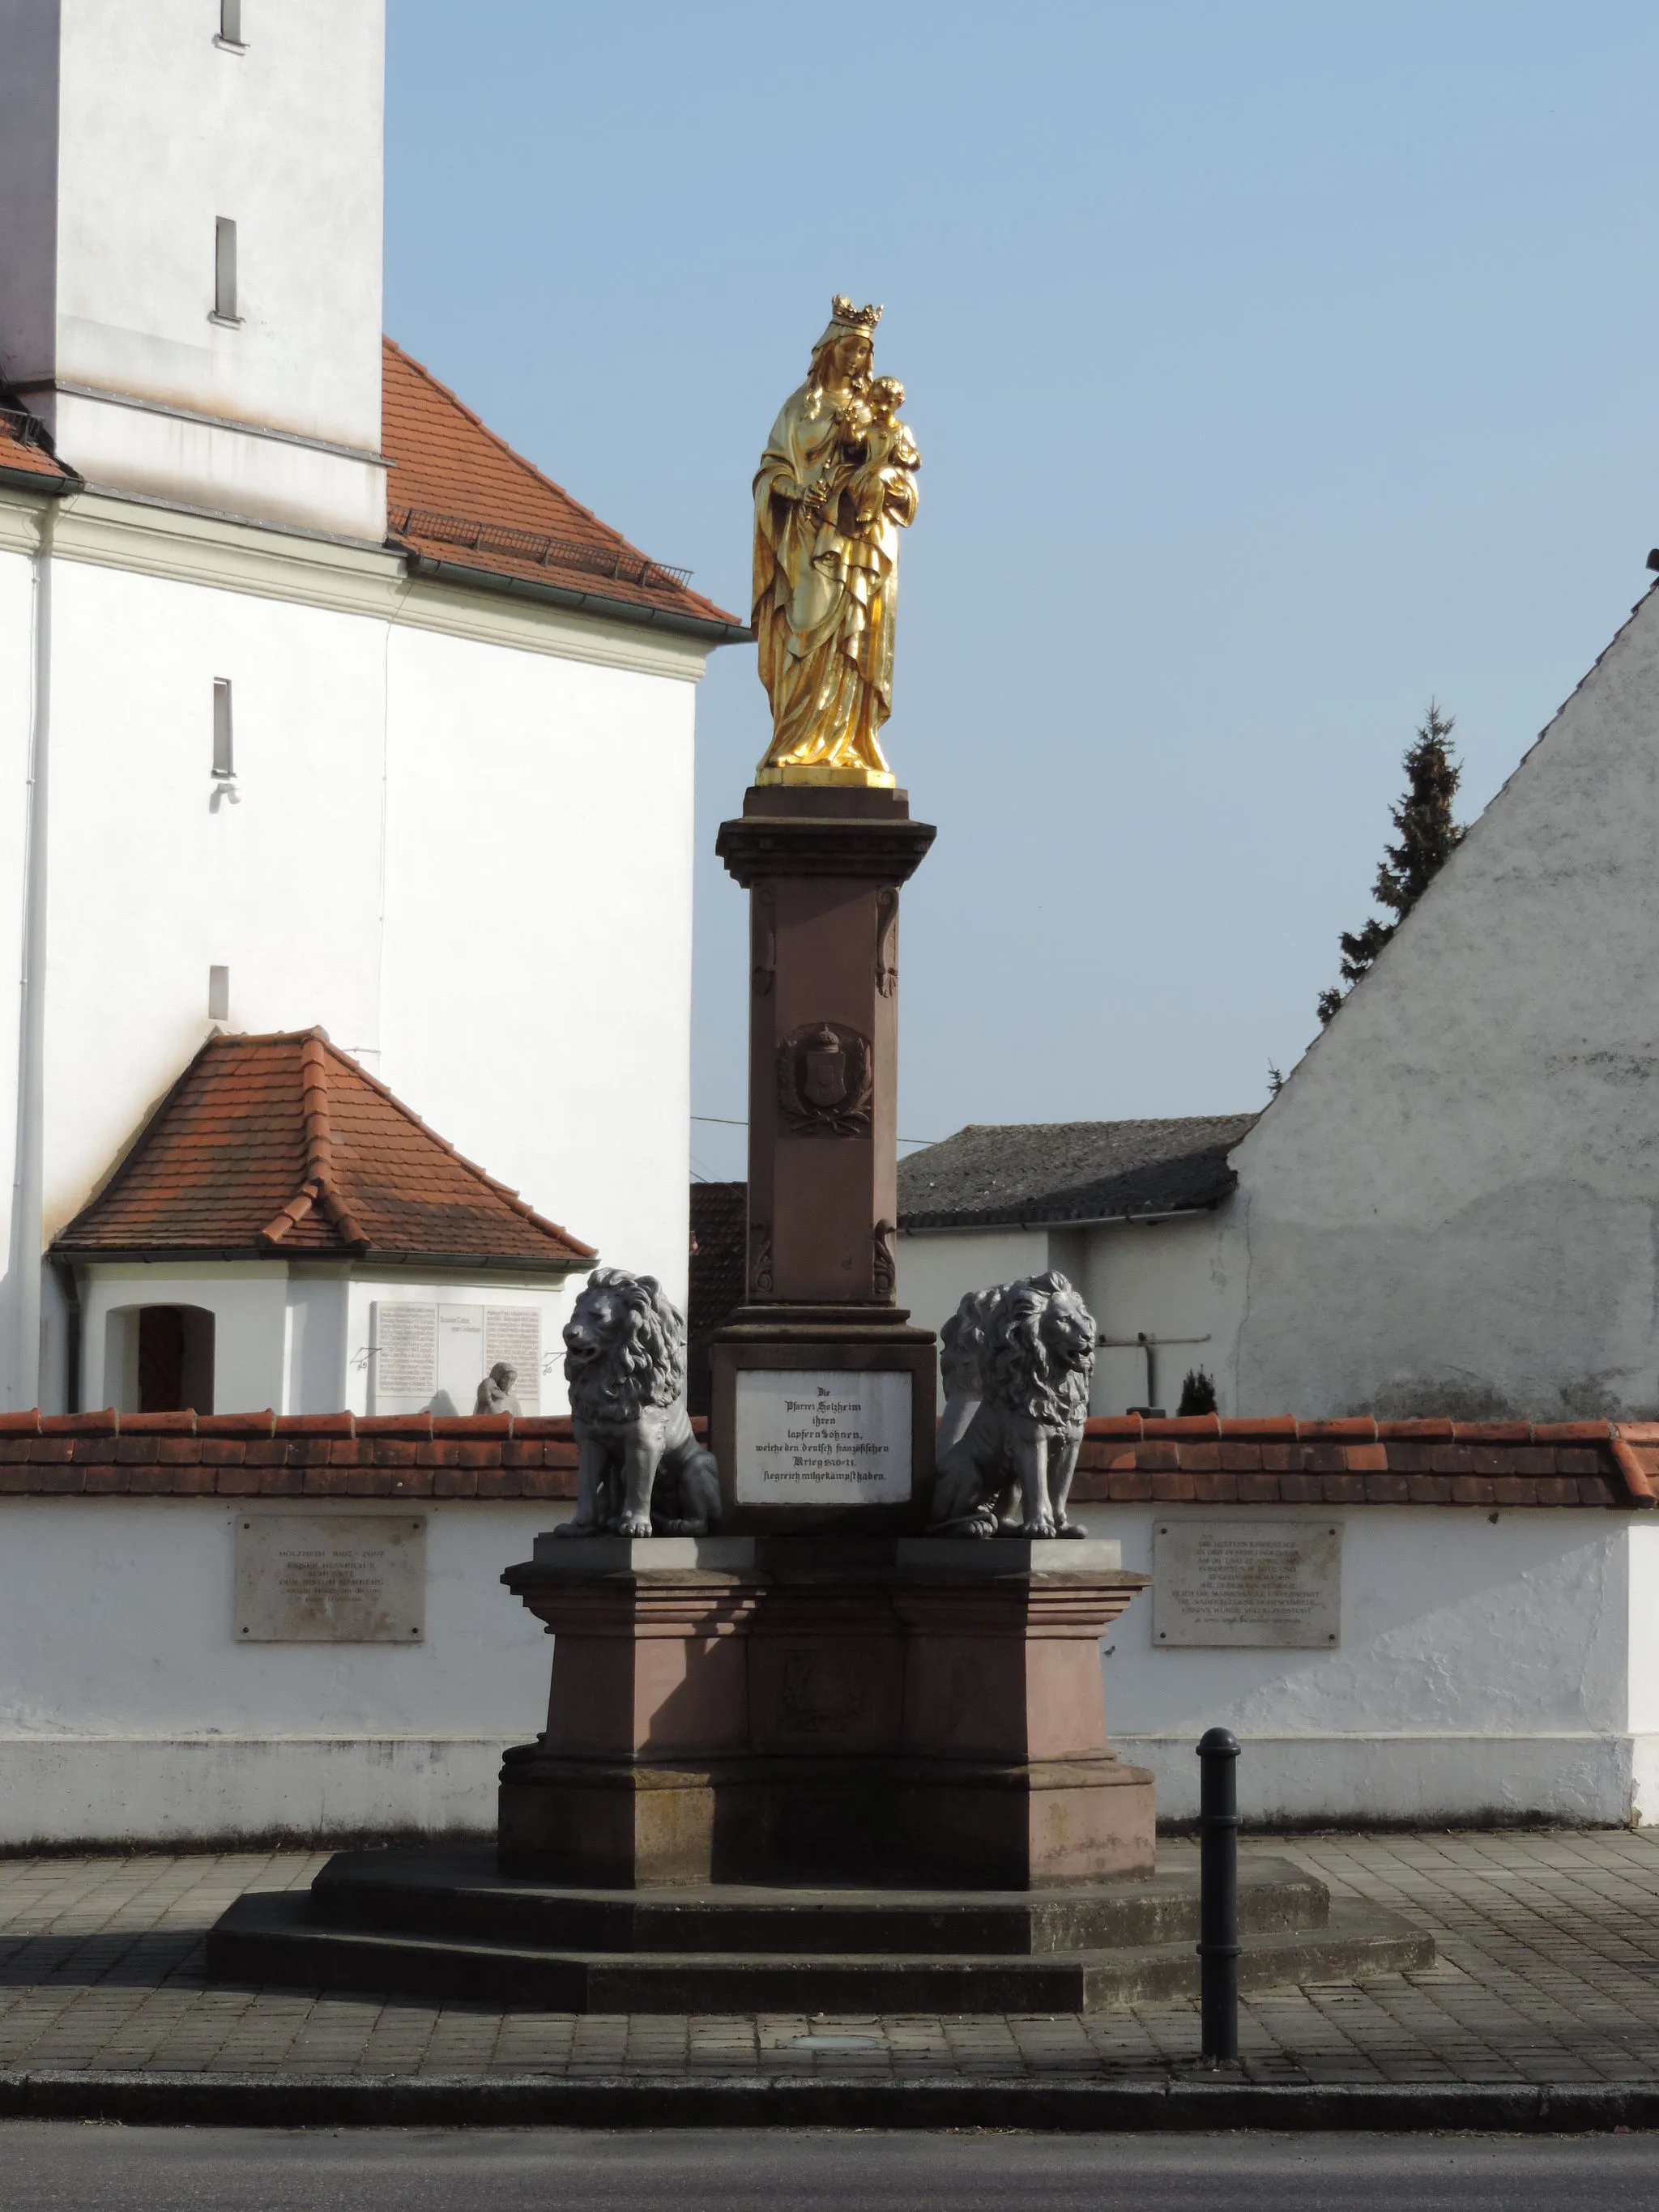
1203,1463
272,1146
22,453
459,494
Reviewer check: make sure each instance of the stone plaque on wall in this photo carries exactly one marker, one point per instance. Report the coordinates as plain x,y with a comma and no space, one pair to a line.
514,1333
405,1350
822,1437
1260,1584
436,1355
331,1578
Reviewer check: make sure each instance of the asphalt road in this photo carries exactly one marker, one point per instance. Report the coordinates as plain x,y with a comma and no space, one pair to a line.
67,2167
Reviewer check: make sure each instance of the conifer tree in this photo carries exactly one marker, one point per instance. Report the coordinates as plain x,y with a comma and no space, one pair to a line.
1197,1394
1428,837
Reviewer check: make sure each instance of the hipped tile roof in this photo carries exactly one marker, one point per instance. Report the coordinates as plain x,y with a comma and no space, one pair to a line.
459,494
283,1146
1170,1464
989,1176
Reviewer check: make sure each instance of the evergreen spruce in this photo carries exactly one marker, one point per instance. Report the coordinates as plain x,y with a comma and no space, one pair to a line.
1428,837
1197,1394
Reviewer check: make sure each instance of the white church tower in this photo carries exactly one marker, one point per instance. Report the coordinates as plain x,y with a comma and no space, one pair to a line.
190,296
324,714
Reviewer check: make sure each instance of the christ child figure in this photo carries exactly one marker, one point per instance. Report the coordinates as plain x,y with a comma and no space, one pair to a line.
891,457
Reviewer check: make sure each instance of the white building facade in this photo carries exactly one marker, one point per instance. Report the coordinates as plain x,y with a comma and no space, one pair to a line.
262,768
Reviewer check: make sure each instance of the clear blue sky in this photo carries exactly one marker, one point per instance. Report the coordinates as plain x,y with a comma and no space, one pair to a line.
1274,366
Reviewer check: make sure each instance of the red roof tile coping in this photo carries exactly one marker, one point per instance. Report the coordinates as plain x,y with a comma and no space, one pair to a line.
1204,1462
282,1144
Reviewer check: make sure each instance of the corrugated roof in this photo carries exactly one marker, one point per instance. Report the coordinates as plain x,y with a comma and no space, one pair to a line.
1059,1171
459,494
279,1144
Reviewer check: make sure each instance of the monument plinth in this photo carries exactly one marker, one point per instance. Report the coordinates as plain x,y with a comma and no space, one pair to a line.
823,1399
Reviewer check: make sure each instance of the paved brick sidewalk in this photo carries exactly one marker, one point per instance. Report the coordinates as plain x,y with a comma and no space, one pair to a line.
1548,1973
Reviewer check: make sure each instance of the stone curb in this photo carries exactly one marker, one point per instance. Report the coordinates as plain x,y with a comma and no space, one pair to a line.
295,2100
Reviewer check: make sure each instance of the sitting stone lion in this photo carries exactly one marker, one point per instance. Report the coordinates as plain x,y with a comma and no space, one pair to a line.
640,1469
1016,1361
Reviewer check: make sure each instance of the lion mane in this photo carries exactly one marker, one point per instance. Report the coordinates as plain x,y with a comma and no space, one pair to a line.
1016,1361
1027,1367
643,1360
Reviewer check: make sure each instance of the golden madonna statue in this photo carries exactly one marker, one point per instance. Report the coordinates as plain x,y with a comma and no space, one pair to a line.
836,484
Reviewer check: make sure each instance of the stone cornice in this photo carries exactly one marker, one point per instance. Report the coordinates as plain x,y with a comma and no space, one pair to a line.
220,554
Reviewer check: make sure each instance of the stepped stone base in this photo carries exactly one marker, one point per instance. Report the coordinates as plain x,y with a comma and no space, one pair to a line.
447,1925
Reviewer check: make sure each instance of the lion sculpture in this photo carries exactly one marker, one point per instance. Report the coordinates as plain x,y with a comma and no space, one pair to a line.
1016,1361
640,1470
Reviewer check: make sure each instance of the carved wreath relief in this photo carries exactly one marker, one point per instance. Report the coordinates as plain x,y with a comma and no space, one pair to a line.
824,1081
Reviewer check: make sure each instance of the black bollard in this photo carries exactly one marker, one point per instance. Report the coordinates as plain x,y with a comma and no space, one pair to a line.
1219,1945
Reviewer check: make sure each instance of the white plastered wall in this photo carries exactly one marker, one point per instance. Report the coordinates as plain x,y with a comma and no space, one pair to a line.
536,985
1488,1670
524,802
1454,1204
1162,1277
129,1710
17,615
155,874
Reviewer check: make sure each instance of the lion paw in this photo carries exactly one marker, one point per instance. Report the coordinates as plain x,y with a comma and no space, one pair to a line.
633,1524
576,1528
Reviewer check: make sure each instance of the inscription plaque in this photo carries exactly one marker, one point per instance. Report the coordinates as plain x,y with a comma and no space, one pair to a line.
331,1578
436,1355
406,1350
822,1436
1247,1584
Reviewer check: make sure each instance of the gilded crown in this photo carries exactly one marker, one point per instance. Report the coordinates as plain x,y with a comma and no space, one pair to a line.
843,311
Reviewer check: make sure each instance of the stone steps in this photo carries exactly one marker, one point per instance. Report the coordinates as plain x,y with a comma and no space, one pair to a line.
443,1925
459,1893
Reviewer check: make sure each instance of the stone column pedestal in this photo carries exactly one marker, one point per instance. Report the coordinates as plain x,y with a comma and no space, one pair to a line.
733,1709
1006,1778
646,1709
824,868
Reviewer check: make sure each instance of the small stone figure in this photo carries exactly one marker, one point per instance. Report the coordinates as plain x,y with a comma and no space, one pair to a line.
640,1471
1016,1361
495,1391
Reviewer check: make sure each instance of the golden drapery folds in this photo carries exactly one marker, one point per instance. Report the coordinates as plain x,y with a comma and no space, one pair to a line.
835,486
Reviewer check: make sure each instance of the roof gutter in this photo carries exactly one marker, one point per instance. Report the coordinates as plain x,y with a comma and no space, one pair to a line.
1065,1221
44,487
453,1263
574,601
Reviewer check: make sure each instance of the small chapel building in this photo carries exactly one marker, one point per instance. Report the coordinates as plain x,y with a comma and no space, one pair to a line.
324,716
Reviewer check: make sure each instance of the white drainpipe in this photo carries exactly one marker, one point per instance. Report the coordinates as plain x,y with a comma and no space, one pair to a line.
26,1195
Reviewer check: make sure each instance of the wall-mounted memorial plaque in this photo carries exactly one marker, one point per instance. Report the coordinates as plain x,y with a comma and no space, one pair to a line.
1251,1583
421,1350
405,1350
822,1437
331,1578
